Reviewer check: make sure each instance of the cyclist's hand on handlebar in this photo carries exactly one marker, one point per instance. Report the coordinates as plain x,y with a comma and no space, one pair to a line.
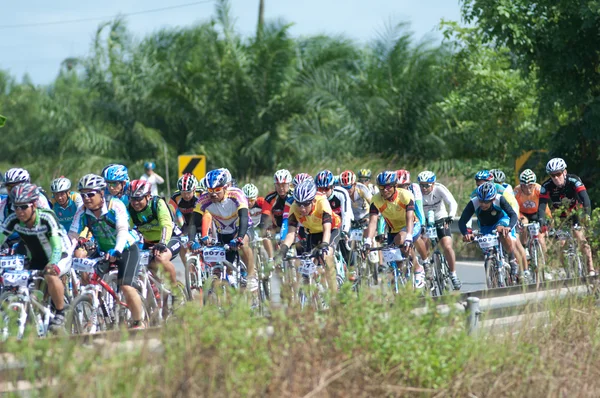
504,231
322,248
196,247
408,244
468,238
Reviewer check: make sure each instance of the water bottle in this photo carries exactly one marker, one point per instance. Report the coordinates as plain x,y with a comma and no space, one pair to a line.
40,324
430,217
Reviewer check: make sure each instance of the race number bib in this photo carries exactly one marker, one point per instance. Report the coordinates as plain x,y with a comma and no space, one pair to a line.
213,254
12,262
394,254
487,241
534,229
356,234
85,264
145,257
16,278
308,267
431,233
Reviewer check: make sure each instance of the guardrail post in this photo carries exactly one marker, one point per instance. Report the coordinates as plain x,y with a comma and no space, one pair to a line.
472,314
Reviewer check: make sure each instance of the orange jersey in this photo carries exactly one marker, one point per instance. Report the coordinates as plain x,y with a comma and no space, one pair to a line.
528,204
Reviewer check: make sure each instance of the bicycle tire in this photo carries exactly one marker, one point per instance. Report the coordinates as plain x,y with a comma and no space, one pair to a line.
491,273
536,257
9,325
439,277
73,323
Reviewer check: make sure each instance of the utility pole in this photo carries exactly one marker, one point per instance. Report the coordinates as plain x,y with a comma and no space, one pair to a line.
261,20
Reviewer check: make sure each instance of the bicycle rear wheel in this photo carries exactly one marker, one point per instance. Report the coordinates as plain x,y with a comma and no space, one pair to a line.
84,318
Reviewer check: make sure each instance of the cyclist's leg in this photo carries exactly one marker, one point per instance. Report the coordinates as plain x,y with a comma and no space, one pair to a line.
128,268
330,268
579,234
56,288
164,258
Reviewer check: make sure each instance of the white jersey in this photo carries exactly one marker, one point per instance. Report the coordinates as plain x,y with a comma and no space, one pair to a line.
437,200
340,205
154,180
361,201
373,188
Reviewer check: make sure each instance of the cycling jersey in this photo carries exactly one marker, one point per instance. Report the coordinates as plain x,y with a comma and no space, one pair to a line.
320,214
361,201
437,200
418,195
280,207
528,204
572,194
339,200
258,209
65,214
111,229
6,209
229,215
151,226
499,209
46,242
183,207
394,210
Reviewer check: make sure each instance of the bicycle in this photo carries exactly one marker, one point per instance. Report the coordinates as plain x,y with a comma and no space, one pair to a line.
439,281
399,268
22,302
195,274
497,270
224,274
537,260
264,273
313,284
98,307
366,270
574,267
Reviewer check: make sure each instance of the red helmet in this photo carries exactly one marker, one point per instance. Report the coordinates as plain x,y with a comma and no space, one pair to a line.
140,188
347,179
402,177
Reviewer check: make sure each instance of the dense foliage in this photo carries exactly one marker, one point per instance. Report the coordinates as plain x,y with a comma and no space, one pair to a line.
479,99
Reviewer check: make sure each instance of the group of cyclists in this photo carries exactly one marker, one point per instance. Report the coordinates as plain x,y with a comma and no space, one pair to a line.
112,216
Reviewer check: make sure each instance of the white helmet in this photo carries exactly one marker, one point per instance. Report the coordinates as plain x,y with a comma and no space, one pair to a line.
16,176
554,165
527,177
251,191
60,184
305,192
426,176
282,176
91,181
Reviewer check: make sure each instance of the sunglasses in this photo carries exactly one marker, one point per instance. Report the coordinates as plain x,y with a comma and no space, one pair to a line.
347,186
556,175
114,184
486,202
404,186
88,195
22,207
304,204
323,189
215,190
386,186
426,186
137,198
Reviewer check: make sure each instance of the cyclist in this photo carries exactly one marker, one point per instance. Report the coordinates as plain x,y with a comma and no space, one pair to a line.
340,204
517,259
403,181
66,201
321,224
527,194
182,204
47,243
398,209
435,198
150,215
298,178
150,175
493,213
260,213
228,208
117,179
364,177
567,189
108,221
360,195
280,200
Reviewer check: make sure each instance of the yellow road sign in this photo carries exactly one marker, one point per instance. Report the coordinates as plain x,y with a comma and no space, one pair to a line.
521,160
195,164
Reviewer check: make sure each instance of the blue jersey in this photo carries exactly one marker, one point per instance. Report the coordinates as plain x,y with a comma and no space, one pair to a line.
65,214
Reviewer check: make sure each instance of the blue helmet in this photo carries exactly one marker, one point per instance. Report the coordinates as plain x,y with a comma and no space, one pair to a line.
486,191
387,178
484,175
149,165
115,172
426,176
217,178
324,179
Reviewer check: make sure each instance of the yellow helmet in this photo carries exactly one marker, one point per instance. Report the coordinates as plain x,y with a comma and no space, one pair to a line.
364,173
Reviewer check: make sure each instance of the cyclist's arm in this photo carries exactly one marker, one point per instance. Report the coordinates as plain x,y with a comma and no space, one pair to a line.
466,215
121,225
164,220
56,244
243,216
78,200
326,229
541,213
410,218
291,234
373,218
584,199
448,198
508,209
7,229
347,213
77,226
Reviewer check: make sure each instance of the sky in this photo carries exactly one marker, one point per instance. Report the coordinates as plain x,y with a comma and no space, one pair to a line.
39,50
